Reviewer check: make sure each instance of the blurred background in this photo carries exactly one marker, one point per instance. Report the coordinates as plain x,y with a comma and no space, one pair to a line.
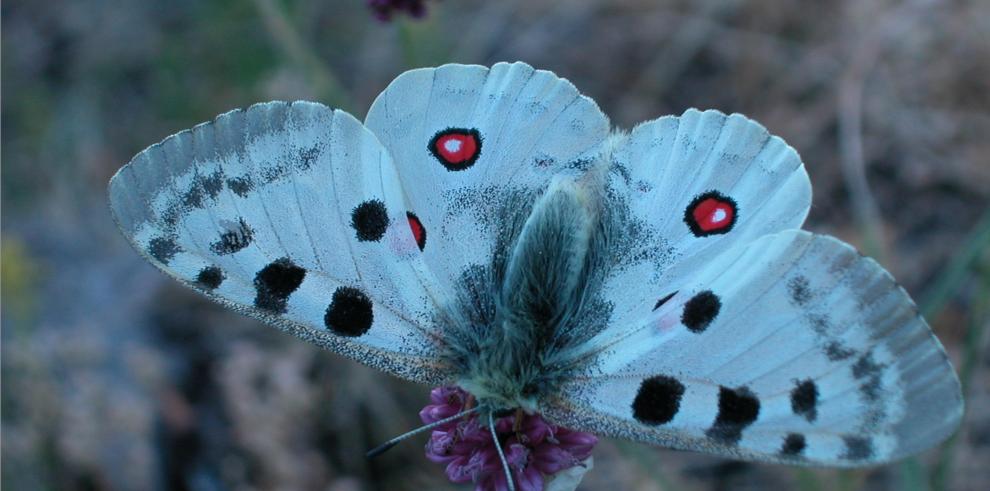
115,378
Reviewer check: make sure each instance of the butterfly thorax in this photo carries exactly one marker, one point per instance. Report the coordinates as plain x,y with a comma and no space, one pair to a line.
520,324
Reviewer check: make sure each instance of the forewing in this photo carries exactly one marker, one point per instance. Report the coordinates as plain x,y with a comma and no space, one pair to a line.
793,348
291,213
473,144
689,187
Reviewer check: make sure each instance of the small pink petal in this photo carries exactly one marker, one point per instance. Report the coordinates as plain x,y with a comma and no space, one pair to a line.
578,443
529,480
460,470
440,448
535,429
550,459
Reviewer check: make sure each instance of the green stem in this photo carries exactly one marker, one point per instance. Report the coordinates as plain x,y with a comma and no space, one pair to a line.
407,43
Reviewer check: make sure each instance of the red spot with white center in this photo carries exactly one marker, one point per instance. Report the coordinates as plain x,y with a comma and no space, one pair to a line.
710,213
456,148
418,231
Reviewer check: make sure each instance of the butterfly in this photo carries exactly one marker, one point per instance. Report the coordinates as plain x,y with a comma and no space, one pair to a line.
486,228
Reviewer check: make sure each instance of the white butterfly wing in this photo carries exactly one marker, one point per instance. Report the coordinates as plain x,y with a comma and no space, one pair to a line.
731,332
695,184
467,139
291,213
793,348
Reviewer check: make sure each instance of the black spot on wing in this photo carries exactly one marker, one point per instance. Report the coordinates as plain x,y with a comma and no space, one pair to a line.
737,409
237,236
700,311
213,184
622,171
799,290
658,400
857,447
275,282
210,277
350,312
241,186
819,323
274,172
202,188
193,197
536,107
580,165
836,351
794,444
804,399
307,157
664,300
163,249
170,216
871,388
865,366
370,220
869,373
543,160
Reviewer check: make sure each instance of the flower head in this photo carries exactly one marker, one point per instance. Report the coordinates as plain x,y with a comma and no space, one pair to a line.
534,449
383,9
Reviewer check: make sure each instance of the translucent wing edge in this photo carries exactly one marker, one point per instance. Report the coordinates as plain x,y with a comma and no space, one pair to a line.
381,100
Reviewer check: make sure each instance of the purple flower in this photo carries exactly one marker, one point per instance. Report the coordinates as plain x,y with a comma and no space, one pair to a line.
534,449
444,403
383,9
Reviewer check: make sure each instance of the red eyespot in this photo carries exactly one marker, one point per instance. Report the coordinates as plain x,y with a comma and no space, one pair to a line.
418,231
711,213
456,148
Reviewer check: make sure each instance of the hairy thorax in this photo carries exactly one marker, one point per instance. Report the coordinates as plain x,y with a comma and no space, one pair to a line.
523,322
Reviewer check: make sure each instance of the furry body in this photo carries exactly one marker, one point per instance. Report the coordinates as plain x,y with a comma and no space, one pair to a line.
523,321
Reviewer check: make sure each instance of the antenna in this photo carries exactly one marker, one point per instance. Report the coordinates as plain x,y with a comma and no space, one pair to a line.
393,442
501,456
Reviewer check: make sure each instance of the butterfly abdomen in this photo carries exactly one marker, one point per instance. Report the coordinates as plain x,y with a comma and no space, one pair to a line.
540,296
